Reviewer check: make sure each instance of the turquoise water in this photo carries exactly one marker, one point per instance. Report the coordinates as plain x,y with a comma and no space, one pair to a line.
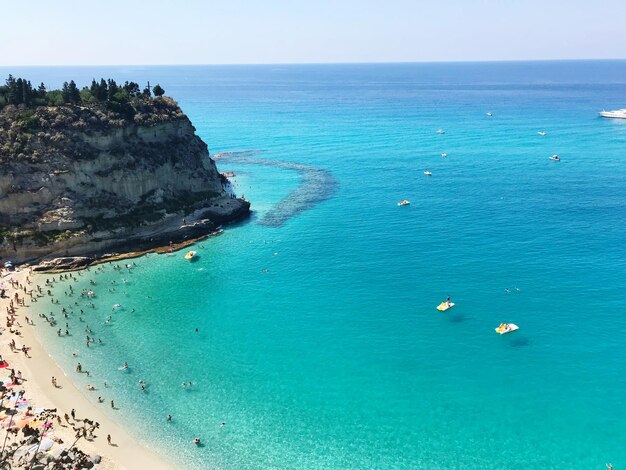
319,343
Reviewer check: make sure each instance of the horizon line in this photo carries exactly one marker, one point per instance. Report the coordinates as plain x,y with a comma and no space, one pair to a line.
407,62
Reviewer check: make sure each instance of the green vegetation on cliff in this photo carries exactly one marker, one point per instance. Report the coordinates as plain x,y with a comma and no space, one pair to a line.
19,91
34,122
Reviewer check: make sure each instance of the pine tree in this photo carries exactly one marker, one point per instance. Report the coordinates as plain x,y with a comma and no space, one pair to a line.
158,91
73,93
113,88
65,92
12,92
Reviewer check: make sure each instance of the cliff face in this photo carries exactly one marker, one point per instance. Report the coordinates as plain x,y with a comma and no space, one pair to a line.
81,181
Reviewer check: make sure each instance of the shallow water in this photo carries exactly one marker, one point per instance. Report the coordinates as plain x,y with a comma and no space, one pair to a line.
319,344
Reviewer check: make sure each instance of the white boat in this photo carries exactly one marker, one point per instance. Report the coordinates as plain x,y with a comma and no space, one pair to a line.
189,255
616,114
443,306
440,131
556,158
428,173
489,114
444,155
505,328
541,133
404,202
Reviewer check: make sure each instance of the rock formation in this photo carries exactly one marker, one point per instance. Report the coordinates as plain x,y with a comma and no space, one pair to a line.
84,181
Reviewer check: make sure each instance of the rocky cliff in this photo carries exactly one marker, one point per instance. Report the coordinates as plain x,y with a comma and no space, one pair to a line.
84,180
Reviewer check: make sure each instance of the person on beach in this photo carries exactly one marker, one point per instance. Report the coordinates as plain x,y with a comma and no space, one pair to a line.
79,367
112,404
109,439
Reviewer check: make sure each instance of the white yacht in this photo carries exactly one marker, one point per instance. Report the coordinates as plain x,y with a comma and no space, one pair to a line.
618,113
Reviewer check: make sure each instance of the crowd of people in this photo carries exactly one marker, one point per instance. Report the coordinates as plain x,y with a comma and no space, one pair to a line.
32,435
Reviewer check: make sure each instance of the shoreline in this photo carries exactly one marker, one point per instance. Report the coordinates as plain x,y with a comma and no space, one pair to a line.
40,268
126,452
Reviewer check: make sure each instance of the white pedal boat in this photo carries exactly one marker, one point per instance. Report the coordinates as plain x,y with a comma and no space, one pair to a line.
443,306
505,328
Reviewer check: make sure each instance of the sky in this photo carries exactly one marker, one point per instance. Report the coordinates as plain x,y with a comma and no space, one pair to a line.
138,32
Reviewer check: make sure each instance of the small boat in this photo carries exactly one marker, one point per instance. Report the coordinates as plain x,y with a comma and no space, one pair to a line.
541,133
190,255
440,131
489,114
617,114
505,328
556,158
404,202
428,173
444,155
443,306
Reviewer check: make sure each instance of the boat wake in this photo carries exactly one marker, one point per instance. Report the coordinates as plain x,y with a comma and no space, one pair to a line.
316,186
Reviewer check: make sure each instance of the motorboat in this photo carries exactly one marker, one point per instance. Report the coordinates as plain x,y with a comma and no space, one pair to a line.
541,133
444,155
428,173
190,255
443,306
404,202
616,114
489,114
556,158
440,131
505,328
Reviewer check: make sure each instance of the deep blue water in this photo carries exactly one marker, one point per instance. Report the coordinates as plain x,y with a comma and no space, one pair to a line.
319,343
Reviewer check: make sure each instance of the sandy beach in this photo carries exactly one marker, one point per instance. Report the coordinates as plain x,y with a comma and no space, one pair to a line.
124,452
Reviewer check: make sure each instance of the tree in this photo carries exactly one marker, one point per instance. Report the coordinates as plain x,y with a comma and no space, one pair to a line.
131,88
113,89
12,90
99,90
74,93
157,90
65,92
86,96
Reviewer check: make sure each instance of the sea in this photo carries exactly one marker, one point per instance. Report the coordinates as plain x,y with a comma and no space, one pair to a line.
310,333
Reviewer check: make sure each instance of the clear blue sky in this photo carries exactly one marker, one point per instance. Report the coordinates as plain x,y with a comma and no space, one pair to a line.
39,32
